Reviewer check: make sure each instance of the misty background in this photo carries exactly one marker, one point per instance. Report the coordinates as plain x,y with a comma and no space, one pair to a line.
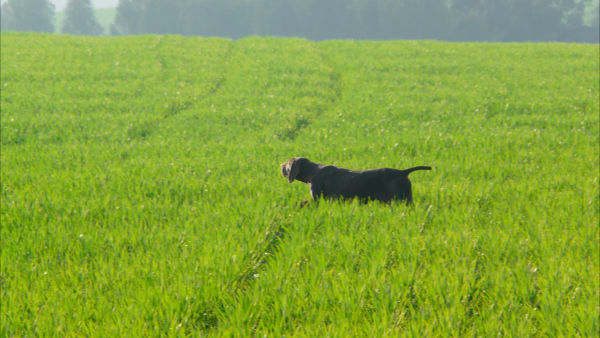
449,20
60,5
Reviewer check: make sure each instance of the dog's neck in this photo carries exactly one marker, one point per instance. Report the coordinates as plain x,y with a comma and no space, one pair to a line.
308,171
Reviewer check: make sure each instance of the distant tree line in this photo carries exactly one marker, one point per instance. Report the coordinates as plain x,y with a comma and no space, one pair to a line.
38,16
462,20
453,20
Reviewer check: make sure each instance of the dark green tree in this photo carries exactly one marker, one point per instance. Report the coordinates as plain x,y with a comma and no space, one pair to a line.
80,19
28,15
162,17
128,18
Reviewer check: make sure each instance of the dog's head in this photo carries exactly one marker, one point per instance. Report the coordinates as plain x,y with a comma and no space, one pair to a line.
292,167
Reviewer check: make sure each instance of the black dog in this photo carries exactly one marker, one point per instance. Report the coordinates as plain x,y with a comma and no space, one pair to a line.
328,181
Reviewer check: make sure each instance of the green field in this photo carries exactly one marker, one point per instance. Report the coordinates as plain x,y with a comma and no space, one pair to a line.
141,193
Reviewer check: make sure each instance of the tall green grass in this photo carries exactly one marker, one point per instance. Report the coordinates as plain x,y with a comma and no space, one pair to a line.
141,192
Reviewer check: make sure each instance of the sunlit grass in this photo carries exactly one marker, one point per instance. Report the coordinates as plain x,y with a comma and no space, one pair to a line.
141,192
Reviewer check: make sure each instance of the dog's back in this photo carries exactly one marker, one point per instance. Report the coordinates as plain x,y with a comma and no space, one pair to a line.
384,184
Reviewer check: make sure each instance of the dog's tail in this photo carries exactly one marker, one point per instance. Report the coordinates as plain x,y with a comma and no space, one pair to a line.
410,170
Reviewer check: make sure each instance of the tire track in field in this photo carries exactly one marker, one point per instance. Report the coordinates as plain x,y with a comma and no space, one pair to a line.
173,108
303,121
334,76
205,315
159,57
177,107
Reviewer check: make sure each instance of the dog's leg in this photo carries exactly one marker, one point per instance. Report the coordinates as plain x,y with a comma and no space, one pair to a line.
308,204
